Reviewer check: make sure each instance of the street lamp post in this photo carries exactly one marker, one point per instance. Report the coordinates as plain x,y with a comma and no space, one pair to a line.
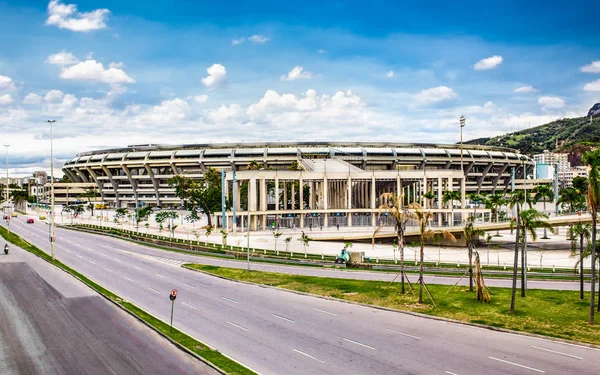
52,208
6,192
462,125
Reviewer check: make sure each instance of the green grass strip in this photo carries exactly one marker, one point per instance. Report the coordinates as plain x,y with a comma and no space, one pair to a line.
210,355
551,313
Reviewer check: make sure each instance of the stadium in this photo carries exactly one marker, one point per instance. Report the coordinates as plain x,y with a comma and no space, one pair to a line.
342,182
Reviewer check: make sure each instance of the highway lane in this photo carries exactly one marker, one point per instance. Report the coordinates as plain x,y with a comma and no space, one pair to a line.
277,332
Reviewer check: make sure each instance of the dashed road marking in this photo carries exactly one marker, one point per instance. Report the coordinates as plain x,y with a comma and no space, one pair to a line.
127,278
235,325
283,318
191,286
358,343
308,355
518,365
107,269
164,277
154,290
91,261
555,352
229,299
195,308
403,334
324,312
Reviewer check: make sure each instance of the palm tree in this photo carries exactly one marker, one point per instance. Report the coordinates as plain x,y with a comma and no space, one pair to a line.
449,197
592,159
430,195
495,201
471,234
569,196
531,220
474,198
401,216
545,194
516,199
426,234
583,231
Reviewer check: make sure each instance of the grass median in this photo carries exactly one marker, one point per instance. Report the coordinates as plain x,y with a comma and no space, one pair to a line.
182,339
546,312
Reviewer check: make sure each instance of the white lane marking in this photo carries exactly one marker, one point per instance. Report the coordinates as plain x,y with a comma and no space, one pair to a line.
183,303
90,249
107,269
451,373
516,364
118,260
154,290
235,325
229,299
164,277
358,343
555,352
191,286
78,256
91,261
403,334
127,278
324,312
564,343
283,318
137,267
308,355
68,251
103,254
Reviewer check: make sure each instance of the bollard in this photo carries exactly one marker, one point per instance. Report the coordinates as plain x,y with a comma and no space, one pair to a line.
553,269
528,269
504,265
458,264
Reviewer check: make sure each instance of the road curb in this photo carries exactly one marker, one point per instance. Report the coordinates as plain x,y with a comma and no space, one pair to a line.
420,315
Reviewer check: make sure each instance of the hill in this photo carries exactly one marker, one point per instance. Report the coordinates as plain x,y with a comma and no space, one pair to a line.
565,135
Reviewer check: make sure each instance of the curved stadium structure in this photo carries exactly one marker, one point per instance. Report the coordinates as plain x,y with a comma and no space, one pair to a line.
341,178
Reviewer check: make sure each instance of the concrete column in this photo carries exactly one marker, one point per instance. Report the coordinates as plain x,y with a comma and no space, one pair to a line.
439,199
252,203
285,195
293,195
423,200
263,202
325,195
276,195
373,191
311,196
399,188
301,187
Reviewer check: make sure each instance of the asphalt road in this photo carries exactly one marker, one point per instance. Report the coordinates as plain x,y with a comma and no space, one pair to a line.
50,323
277,332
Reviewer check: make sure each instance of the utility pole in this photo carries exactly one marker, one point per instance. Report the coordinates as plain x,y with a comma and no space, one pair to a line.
6,201
462,125
52,208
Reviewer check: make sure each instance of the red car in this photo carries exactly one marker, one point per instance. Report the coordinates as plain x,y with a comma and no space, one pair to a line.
5,217
30,221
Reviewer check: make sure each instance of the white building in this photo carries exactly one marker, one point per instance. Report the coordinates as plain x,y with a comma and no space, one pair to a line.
565,177
553,158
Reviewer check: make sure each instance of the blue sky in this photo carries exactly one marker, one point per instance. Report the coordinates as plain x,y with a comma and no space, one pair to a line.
115,73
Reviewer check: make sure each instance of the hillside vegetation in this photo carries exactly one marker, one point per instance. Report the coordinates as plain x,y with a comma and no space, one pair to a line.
565,135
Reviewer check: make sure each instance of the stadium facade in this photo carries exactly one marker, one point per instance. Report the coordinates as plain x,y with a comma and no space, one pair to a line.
342,183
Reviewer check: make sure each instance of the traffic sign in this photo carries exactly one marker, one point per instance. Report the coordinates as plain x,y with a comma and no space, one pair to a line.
173,295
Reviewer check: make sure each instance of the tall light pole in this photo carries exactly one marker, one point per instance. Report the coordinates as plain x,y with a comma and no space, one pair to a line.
52,208
462,125
6,202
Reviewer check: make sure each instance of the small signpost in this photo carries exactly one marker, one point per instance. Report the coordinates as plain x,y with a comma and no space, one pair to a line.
172,297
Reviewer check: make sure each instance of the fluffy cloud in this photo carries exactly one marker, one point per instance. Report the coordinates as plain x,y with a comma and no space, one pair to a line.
217,75
91,70
592,86
226,114
551,102
32,98
59,103
258,39
488,63
5,99
434,95
6,83
525,90
594,67
62,58
200,98
237,42
166,113
390,74
54,96
66,16
297,72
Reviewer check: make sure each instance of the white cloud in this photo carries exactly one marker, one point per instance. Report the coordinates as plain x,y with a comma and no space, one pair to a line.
488,63
62,58
297,72
226,114
166,113
200,98
258,39
236,42
5,99
58,103
32,98
66,16
54,96
320,50
91,70
594,67
117,65
6,83
551,102
592,86
390,74
217,75
525,90
434,95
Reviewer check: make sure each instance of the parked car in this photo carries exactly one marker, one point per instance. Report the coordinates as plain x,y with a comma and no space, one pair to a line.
30,221
156,208
14,215
5,217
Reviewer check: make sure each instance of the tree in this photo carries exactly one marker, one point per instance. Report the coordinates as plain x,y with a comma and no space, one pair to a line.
305,241
78,209
276,235
430,196
471,234
120,213
426,234
531,220
163,216
201,195
545,194
516,200
401,214
570,196
581,184
592,159
474,198
141,214
89,194
583,231
449,197
496,201
287,243
19,196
